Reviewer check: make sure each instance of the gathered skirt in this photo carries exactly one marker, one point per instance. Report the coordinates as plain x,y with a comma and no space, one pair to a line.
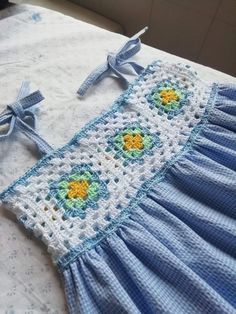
177,251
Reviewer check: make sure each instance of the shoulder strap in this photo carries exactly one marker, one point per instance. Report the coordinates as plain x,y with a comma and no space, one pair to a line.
115,63
19,116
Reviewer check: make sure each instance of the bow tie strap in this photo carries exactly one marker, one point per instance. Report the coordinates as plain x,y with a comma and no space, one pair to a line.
31,99
42,145
19,107
18,114
115,63
132,46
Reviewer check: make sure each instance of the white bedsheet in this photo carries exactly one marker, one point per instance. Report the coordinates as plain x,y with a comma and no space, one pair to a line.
55,53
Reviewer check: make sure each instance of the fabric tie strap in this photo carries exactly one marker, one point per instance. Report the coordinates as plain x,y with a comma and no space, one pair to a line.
17,116
115,62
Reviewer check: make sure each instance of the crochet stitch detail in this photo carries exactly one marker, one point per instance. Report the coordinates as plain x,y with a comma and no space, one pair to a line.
77,190
169,97
82,192
132,142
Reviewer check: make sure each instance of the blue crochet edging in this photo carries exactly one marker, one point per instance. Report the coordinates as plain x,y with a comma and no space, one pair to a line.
125,213
117,105
88,244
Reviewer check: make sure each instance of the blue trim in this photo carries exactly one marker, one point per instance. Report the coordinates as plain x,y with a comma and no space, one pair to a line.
125,213
88,244
118,104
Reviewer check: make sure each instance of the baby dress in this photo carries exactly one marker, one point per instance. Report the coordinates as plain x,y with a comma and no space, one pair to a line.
138,209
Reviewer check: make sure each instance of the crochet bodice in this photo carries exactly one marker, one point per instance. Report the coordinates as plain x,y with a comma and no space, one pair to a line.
77,195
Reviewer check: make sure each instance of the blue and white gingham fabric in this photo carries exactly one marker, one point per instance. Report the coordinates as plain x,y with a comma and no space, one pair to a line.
177,251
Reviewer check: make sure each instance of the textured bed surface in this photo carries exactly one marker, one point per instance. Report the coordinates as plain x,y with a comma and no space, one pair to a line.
55,53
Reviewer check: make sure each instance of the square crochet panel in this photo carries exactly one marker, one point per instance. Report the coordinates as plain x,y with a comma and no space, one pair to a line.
75,196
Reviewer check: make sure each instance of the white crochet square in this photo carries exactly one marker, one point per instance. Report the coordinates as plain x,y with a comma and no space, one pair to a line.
75,196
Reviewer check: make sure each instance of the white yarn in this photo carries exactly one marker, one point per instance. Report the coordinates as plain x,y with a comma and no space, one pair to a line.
30,199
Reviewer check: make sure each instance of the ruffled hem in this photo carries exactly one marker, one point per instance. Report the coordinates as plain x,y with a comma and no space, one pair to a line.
176,252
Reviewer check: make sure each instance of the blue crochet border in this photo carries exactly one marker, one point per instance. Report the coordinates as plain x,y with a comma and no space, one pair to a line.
159,176
88,244
118,104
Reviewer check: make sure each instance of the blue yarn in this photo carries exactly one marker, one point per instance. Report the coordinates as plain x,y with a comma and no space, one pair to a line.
15,117
159,176
118,105
88,244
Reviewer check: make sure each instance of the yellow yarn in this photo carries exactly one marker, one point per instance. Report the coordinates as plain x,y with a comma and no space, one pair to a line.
78,189
133,141
168,95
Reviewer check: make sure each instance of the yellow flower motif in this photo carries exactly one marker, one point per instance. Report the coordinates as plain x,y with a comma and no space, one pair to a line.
133,141
168,95
78,189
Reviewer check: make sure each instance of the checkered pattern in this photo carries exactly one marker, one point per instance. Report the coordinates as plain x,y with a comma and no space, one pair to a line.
117,171
158,233
176,253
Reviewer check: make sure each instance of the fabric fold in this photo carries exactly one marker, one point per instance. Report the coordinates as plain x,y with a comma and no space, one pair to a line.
176,253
